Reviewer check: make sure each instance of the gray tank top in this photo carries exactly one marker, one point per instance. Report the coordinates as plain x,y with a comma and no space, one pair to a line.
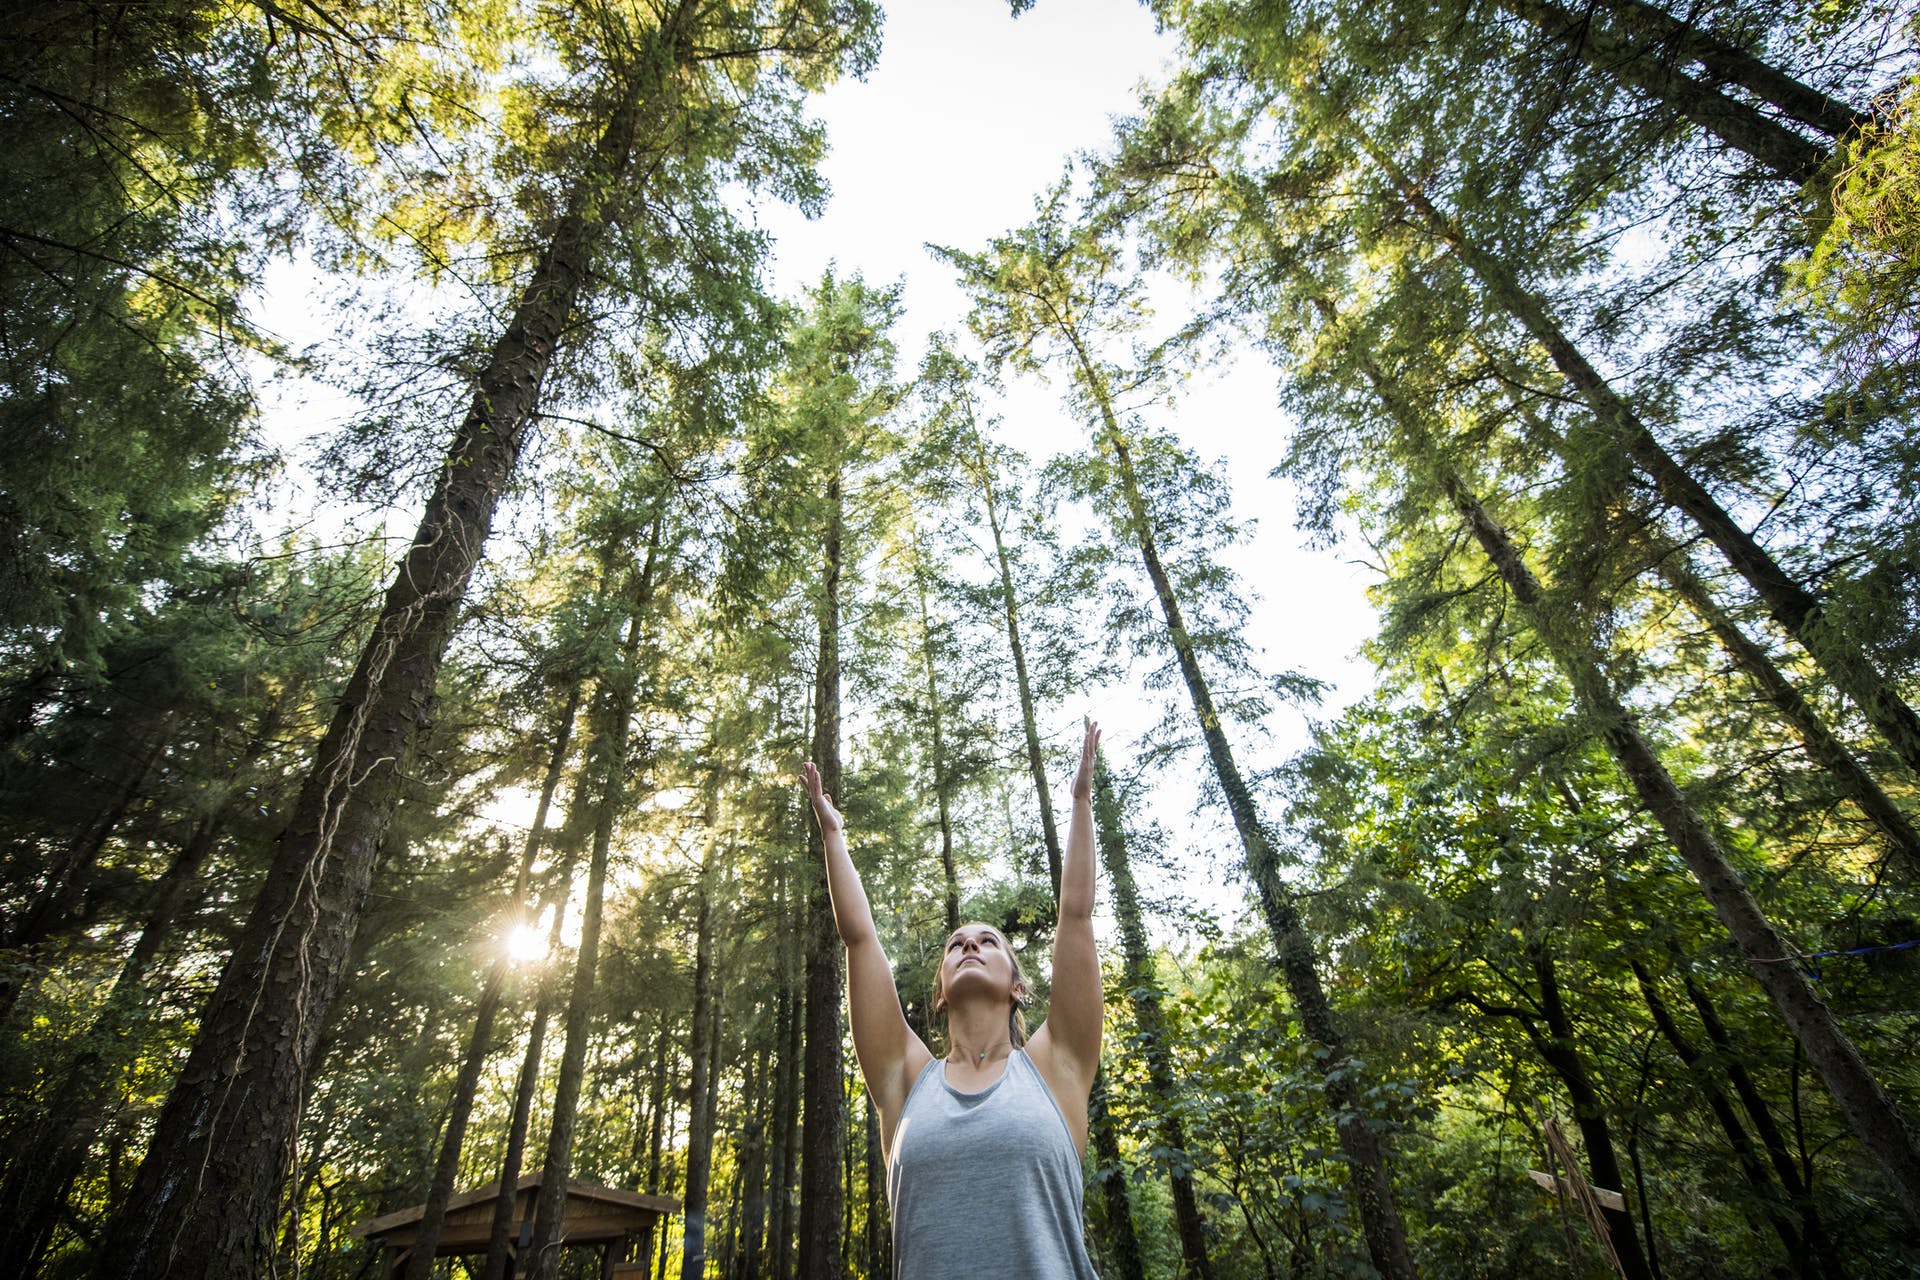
986,1184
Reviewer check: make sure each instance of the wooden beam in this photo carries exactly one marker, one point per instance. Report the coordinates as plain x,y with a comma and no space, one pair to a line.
1609,1199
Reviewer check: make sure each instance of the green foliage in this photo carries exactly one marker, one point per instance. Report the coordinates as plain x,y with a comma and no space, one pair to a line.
1860,275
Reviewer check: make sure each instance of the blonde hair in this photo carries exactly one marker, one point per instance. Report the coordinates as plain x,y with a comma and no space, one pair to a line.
1016,1017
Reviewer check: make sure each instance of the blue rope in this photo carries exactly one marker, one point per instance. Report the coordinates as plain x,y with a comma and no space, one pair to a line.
1822,955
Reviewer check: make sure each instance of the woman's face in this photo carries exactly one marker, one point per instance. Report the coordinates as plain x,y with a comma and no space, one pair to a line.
977,958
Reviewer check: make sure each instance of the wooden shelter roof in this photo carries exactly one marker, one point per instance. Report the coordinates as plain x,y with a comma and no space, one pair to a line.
608,1205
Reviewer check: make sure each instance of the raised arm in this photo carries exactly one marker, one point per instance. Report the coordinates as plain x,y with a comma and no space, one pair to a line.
890,1054
1067,1047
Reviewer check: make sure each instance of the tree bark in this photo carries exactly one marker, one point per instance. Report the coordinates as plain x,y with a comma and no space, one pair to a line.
1370,1185
1870,1112
613,727
420,1262
1150,1020
1792,605
206,1197
823,1106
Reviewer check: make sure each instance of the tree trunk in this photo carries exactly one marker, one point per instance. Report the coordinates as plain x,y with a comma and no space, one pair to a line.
1727,118
786,1117
1560,1050
1029,722
940,780
206,1197
693,1253
824,1118
1730,63
1371,1188
613,724
502,1246
1792,605
1825,749
38,1179
1869,1111
427,1240
1111,1173
1759,1182
1149,1019
1755,1105
751,1175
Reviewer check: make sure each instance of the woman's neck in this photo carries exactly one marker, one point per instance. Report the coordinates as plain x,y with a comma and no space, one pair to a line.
978,1035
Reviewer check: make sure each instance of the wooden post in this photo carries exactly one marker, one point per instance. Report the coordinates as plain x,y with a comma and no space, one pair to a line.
1574,1186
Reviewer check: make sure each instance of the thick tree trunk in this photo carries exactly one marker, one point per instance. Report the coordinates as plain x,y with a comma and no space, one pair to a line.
693,1253
1029,722
1149,1018
613,724
1792,605
1668,38
1370,1186
427,1241
205,1199
1870,1112
824,1105
1733,122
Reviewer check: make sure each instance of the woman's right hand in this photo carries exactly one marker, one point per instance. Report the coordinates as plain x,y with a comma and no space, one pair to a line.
822,806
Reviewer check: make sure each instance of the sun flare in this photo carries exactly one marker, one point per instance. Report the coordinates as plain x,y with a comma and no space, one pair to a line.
524,944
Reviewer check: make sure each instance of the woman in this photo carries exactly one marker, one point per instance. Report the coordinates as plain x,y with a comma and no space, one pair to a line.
983,1146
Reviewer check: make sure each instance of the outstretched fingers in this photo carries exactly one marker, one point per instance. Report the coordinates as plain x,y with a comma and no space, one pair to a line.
1089,749
822,803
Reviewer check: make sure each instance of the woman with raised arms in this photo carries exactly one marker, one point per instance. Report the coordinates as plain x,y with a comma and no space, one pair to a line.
983,1146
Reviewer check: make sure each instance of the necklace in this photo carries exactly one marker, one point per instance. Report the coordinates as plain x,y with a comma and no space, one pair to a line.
981,1056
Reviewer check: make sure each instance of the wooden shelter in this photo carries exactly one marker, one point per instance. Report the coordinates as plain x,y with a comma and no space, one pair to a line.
620,1223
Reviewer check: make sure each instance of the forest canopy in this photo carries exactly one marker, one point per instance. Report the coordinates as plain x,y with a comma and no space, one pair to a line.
403,801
